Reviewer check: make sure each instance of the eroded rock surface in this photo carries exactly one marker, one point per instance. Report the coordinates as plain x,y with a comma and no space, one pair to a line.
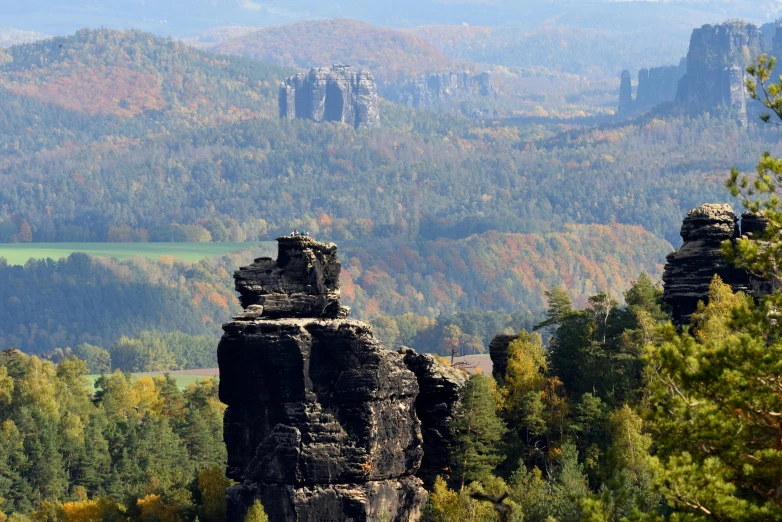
339,93
625,93
440,391
658,85
716,61
321,422
498,351
689,270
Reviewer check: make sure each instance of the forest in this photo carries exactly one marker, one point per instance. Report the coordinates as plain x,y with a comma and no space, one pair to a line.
205,159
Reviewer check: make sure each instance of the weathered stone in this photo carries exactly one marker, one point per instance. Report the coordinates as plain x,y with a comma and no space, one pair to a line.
690,270
398,500
498,351
658,85
716,61
440,87
339,93
303,282
436,406
321,420
625,93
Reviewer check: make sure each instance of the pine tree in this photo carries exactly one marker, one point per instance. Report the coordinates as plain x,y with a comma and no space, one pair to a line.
479,429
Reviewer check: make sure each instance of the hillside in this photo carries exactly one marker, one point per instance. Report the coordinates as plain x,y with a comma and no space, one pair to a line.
129,74
9,36
391,55
46,305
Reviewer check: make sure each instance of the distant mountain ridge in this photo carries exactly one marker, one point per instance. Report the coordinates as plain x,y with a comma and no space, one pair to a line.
390,54
127,73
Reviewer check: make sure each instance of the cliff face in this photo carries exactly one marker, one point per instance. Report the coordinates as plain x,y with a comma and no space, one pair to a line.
439,87
339,93
625,93
689,270
436,406
716,61
322,422
658,84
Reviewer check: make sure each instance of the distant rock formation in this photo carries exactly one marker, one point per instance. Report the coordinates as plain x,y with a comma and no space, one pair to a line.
339,93
658,84
689,270
625,93
436,88
498,351
322,422
436,406
716,61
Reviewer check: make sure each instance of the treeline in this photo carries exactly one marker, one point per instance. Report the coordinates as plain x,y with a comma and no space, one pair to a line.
179,173
135,449
429,295
46,304
149,352
622,418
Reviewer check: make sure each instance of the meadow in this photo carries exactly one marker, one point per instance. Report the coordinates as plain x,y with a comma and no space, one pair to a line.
183,378
19,253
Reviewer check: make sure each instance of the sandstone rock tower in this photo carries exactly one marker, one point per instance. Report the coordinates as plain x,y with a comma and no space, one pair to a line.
625,93
689,270
339,93
321,422
716,61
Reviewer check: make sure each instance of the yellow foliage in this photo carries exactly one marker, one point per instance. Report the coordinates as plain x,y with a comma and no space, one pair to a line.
212,484
525,371
6,388
38,387
153,508
146,396
82,511
256,513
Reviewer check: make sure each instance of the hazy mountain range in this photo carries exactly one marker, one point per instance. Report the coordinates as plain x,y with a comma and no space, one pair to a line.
180,18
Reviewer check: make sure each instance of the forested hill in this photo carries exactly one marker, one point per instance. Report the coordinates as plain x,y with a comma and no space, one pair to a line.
390,54
126,74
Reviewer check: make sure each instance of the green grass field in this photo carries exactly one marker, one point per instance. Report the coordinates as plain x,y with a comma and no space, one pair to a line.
19,253
182,381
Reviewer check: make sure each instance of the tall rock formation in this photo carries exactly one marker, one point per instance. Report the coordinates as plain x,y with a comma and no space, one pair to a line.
689,270
716,61
339,93
625,93
498,351
436,406
321,423
440,87
658,85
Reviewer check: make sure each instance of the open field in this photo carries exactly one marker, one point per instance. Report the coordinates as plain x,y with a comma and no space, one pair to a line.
184,378
19,253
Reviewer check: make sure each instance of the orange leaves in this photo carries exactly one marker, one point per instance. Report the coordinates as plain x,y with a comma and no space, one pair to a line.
219,300
101,90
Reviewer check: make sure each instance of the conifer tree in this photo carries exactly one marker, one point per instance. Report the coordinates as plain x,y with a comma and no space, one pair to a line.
479,429
256,513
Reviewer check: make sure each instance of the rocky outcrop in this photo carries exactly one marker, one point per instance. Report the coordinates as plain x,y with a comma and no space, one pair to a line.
321,422
658,85
440,87
716,61
436,406
339,93
689,270
498,351
625,93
